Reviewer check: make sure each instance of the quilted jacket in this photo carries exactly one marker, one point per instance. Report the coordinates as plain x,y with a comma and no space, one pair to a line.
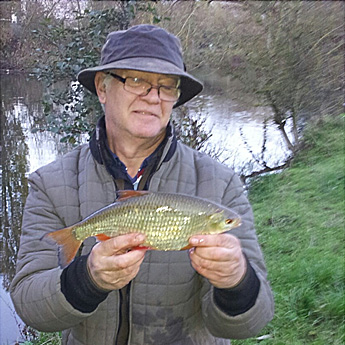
169,302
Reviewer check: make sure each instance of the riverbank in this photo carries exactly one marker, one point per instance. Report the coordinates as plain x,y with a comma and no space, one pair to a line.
300,222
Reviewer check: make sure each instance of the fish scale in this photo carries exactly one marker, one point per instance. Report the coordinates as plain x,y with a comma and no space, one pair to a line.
168,221
165,223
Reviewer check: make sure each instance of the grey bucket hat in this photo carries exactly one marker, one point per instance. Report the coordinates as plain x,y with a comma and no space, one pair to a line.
146,48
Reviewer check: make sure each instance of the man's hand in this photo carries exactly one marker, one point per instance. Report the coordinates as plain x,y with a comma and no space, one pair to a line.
112,264
218,258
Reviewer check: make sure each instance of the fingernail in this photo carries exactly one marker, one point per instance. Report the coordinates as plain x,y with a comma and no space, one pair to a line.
193,241
196,240
191,251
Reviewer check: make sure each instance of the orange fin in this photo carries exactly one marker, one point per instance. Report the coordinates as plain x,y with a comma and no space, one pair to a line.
188,246
141,248
68,244
126,194
102,237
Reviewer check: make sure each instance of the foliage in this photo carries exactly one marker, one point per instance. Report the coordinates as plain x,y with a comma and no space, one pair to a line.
17,20
300,220
295,60
65,49
190,131
13,186
288,53
40,338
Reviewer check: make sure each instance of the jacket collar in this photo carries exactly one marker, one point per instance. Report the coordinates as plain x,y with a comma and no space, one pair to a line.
102,154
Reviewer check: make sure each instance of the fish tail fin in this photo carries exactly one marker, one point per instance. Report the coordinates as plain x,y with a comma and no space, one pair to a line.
68,244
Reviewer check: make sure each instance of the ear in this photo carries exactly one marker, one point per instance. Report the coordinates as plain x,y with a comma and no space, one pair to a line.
100,87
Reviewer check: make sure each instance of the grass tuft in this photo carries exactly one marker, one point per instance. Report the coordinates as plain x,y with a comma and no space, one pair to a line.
300,222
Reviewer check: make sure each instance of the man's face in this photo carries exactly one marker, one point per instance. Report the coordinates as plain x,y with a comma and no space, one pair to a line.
130,115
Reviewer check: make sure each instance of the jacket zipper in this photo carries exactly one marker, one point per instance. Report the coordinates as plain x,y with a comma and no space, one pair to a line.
123,308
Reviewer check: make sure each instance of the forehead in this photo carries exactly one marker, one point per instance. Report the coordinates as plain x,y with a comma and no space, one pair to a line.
146,75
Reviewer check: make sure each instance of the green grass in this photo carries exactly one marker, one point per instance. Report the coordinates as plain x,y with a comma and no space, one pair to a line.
42,338
300,222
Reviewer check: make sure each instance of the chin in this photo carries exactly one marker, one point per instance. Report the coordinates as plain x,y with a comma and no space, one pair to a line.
148,131
147,134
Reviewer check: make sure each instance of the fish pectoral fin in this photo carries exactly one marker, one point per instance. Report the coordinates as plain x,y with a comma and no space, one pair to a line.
141,248
188,246
127,194
102,237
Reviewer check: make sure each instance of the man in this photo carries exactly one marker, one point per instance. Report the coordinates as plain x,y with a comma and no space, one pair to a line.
111,293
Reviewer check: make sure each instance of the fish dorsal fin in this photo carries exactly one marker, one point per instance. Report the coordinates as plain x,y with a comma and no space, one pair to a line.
127,194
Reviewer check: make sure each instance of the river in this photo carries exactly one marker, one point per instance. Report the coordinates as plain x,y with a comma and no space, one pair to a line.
237,130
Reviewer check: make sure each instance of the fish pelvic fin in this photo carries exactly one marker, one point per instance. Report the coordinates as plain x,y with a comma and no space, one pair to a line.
68,244
188,246
102,237
127,194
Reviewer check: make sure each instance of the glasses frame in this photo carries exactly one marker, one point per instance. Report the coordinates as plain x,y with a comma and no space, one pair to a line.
145,93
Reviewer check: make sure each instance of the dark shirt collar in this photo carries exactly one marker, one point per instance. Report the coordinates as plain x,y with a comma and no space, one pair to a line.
103,155
147,161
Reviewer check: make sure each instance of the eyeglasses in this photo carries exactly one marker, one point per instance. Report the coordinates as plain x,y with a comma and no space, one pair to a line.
142,87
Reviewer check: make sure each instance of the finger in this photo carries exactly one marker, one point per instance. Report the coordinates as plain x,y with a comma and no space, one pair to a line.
127,260
215,267
114,272
219,240
118,261
121,244
219,273
213,254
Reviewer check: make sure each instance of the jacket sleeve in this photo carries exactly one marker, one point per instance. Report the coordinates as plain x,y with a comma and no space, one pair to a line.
35,290
250,322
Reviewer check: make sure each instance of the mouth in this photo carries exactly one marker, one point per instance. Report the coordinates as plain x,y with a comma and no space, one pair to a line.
145,113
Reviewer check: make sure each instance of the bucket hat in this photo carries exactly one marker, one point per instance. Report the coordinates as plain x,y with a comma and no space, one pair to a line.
146,48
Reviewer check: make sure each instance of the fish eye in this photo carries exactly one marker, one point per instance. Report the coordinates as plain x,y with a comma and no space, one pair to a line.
229,221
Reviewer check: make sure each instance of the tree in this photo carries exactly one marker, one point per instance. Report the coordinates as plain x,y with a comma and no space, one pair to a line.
289,54
66,47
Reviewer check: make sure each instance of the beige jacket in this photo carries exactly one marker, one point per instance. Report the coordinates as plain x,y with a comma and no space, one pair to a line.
170,303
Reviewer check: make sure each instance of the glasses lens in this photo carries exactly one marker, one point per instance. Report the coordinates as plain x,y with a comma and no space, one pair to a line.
169,93
137,86
142,88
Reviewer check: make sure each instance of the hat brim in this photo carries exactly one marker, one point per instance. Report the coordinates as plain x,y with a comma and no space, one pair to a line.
190,86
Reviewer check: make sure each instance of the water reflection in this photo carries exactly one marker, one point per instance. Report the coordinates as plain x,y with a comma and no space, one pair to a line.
244,135
14,165
21,153
14,190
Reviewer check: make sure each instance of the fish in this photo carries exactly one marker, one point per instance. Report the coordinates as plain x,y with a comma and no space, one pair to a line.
168,220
